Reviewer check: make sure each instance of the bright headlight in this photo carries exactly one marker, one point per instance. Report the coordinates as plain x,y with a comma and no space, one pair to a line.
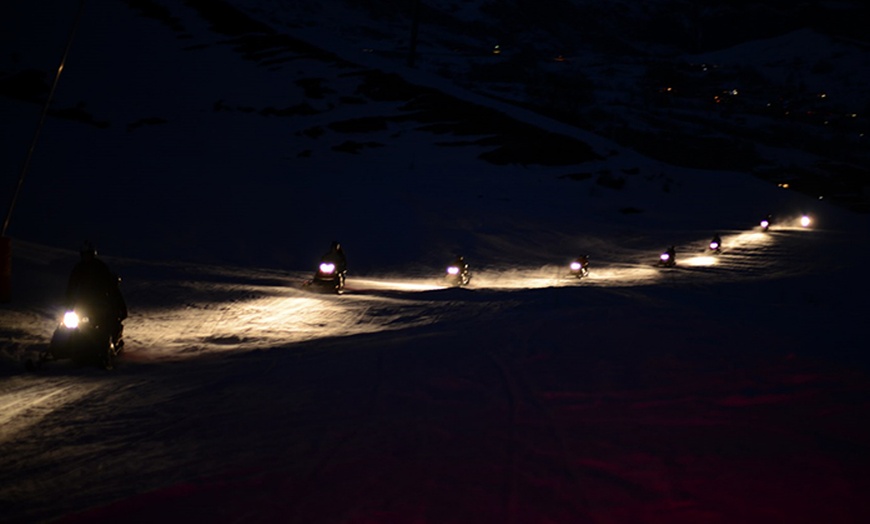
327,267
765,223
71,320
665,257
575,266
714,245
805,221
453,270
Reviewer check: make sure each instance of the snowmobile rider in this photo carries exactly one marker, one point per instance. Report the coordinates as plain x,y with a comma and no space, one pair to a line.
461,264
336,256
463,267
672,255
95,289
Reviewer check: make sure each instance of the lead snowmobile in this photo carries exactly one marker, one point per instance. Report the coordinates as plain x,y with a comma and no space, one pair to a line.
84,339
91,328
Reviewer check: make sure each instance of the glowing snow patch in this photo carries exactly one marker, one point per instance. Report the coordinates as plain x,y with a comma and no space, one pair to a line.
623,276
749,239
521,278
557,276
700,261
327,268
409,286
278,318
387,284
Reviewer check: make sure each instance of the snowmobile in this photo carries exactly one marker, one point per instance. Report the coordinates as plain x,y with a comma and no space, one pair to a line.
668,258
85,340
327,279
766,222
579,267
457,275
715,246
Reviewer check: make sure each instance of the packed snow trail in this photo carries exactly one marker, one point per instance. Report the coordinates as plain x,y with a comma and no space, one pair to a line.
524,418
618,398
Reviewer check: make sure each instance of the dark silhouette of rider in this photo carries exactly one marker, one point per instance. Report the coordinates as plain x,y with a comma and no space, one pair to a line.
336,256
461,264
672,255
95,290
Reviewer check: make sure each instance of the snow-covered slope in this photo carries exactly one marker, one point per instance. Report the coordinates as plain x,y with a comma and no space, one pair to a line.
729,389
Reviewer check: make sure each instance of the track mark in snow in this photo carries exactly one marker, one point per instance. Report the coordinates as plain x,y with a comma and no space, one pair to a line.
23,408
510,497
11,409
528,412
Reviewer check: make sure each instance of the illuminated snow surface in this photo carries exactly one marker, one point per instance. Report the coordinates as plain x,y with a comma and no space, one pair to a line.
731,388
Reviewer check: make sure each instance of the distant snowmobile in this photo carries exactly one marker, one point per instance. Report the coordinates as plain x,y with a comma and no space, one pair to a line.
668,258
331,272
327,279
579,267
766,222
715,246
458,274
